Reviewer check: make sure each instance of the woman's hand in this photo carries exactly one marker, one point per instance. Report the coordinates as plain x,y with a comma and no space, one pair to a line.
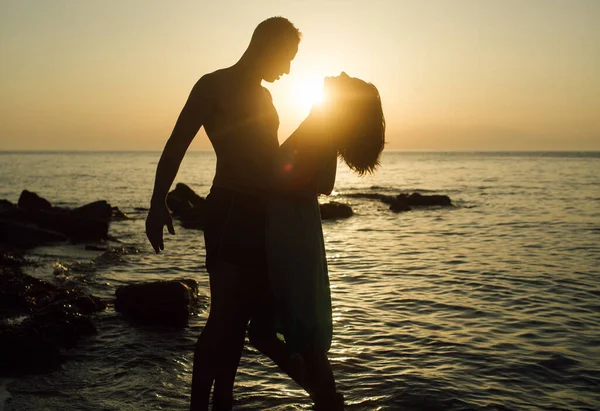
159,216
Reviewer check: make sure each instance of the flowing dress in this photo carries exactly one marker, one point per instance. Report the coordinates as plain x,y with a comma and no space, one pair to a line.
298,266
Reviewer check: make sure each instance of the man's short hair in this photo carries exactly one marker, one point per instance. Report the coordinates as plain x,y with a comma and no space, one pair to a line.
275,28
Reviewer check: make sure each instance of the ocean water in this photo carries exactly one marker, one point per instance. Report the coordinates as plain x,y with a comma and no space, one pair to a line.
493,304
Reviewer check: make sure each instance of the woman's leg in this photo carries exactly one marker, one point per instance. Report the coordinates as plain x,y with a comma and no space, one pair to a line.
263,336
321,378
312,371
267,343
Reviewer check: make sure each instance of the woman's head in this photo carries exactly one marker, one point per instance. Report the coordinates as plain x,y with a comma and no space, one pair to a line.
358,123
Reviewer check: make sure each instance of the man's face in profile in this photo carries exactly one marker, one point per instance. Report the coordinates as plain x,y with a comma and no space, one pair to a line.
278,63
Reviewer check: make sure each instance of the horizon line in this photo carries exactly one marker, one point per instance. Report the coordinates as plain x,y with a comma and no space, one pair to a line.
388,150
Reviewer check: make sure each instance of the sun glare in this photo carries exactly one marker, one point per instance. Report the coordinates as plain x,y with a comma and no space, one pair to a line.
308,92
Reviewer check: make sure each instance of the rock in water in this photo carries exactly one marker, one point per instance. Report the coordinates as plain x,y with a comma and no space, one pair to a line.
416,199
38,319
25,235
32,201
194,217
167,303
188,206
34,221
6,205
98,210
74,226
405,202
399,206
26,352
334,210
182,198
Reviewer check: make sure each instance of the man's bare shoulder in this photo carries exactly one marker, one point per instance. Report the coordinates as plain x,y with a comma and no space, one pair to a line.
212,82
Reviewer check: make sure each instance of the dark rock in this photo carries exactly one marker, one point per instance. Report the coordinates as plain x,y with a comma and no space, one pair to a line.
35,344
30,226
97,210
188,206
11,259
167,303
39,319
58,324
24,351
7,205
399,206
93,247
405,202
23,294
194,217
81,230
74,224
334,210
21,234
35,221
32,201
182,198
83,303
420,200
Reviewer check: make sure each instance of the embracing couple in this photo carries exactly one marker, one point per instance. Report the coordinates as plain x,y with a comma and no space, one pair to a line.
265,252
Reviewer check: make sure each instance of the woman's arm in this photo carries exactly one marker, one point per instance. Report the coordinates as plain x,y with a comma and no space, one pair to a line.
307,162
325,177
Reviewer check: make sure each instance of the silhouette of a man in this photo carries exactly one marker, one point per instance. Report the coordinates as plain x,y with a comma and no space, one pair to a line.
241,122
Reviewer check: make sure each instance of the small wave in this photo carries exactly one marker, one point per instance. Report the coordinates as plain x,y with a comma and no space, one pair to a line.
115,255
558,362
78,270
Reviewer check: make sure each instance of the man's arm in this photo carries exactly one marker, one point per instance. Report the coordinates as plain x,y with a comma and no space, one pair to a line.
192,117
194,114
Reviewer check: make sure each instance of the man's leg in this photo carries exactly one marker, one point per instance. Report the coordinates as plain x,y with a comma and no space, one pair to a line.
219,347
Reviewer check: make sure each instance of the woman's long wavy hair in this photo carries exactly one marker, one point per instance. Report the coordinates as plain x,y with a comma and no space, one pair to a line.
361,123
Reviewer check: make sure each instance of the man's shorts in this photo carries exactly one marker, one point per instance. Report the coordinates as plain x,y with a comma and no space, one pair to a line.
234,235
234,231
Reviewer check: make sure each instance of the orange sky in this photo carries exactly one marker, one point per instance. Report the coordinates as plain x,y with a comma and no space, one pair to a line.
453,75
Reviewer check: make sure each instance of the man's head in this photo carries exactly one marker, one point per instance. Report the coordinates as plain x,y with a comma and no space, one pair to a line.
274,45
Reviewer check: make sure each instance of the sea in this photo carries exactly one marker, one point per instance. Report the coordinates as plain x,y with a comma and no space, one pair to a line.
492,304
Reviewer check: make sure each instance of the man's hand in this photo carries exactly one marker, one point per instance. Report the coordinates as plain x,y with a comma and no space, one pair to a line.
158,217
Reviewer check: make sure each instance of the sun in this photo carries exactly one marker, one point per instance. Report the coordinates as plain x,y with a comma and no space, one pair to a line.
308,91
